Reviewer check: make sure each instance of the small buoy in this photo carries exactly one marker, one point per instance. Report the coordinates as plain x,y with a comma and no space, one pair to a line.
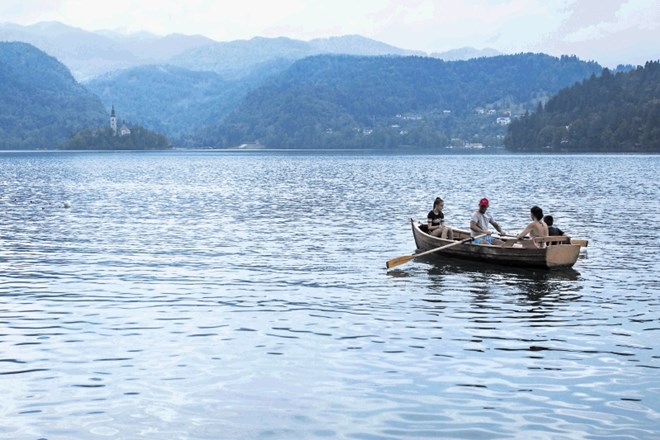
66,204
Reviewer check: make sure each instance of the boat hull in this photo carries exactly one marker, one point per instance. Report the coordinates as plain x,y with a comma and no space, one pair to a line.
551,257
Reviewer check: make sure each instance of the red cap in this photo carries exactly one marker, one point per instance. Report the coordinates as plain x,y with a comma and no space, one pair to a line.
483,202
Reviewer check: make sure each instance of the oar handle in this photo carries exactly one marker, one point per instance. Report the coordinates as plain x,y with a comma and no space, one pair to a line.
401,260
465,240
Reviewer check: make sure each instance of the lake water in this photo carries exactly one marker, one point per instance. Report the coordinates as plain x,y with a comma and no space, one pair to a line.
191,295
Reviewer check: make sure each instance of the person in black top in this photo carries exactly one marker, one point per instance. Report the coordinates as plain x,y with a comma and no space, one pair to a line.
552,230
436,221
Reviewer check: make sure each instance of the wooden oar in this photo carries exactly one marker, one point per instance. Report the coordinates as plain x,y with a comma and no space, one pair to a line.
401,260
510,243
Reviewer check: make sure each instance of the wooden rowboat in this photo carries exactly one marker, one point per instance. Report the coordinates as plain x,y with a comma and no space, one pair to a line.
558,254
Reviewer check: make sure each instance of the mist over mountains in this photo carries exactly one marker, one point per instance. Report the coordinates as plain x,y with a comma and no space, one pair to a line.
180,84
337,92
236,59
90,54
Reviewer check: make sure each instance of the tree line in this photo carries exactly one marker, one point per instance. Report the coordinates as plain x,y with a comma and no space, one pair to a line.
613,112
391,102
107,139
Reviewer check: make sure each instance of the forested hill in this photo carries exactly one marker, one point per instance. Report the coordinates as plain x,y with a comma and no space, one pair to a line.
41,103
609,113
170,100
347,101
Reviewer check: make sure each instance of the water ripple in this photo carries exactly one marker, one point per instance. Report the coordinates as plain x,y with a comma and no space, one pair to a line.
244,296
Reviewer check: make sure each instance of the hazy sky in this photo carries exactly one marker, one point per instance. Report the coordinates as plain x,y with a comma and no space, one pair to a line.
608,31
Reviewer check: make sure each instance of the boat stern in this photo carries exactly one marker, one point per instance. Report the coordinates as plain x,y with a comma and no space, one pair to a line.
562,256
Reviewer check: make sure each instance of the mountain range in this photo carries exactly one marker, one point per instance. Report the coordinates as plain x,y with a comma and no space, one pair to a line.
90,54
317,101
335,92
390,102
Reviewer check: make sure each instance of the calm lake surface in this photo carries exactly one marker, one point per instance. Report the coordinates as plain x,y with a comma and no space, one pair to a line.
190,295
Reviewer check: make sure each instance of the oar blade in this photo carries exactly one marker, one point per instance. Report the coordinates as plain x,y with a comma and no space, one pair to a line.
398,261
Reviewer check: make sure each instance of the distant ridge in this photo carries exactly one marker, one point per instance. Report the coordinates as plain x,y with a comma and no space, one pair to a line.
357,45
236,59
90,54
466,53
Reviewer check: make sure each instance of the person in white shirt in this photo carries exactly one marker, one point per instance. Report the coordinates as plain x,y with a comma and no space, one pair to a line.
480,222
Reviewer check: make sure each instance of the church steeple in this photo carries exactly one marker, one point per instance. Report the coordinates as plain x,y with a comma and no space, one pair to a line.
113,120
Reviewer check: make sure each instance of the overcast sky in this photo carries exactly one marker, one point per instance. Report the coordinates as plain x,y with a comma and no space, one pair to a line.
608,31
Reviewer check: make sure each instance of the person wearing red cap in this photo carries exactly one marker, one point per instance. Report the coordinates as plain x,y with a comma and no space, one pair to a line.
480,221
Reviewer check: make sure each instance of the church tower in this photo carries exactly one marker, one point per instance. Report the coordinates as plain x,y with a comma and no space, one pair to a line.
113,120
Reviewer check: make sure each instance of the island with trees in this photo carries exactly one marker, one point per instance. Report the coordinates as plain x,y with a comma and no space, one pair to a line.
105,138
117,138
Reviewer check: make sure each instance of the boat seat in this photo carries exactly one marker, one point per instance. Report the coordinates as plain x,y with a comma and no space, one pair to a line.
552,240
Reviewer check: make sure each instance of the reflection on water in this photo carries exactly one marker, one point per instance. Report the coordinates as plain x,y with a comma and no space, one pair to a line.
534,283
213,296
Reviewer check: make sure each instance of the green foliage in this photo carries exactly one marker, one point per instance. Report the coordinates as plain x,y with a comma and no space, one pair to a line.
610,113
41,103
170,100
106,139
388,102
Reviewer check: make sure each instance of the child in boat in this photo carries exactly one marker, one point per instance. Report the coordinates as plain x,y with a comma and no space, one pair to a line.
552,230
436,221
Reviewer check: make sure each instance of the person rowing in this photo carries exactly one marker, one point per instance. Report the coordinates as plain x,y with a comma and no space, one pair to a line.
479,224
